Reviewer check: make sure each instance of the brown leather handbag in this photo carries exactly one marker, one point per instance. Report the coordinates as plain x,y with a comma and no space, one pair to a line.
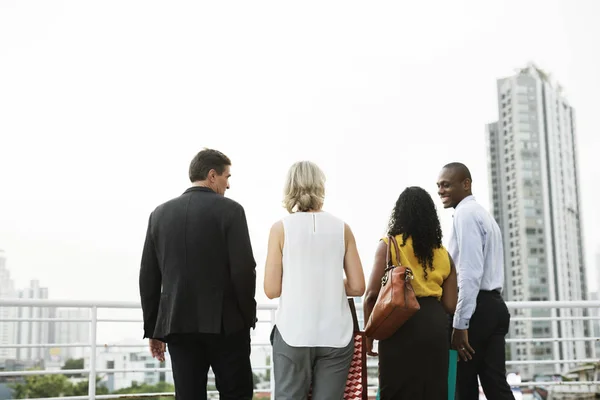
396,301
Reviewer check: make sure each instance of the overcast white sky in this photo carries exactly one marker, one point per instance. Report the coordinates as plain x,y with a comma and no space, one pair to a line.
103,105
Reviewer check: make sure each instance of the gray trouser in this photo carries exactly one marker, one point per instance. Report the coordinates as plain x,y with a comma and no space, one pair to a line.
296,368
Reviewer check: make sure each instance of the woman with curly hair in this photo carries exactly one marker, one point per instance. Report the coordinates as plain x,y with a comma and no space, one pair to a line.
413,362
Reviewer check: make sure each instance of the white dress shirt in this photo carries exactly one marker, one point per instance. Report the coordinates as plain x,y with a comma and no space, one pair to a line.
476,248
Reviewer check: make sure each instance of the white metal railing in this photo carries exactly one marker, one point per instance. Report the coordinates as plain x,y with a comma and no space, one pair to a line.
93,371
94,306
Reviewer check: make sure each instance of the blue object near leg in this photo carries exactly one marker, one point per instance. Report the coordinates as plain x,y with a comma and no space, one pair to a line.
452,364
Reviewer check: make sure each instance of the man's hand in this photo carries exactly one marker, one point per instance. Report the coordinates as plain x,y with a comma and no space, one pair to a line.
370,351
460,342
157,348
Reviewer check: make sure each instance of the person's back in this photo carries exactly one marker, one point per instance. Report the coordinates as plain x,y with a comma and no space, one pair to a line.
426,282
197,284
493,252
481,320
190,235
413,361
309,252
313,293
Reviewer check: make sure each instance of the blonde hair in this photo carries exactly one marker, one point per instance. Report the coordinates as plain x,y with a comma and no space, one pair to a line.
304,187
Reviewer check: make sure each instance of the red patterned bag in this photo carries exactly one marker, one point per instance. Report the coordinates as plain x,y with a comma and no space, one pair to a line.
356,385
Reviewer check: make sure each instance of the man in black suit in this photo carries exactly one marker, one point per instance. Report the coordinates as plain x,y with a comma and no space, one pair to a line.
197,284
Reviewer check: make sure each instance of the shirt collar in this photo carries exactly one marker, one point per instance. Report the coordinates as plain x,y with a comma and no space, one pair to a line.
467,199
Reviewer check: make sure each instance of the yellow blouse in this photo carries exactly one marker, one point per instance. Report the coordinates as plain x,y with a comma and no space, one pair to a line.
432,286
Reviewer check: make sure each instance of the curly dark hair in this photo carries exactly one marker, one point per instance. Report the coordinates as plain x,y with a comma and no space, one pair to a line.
415,216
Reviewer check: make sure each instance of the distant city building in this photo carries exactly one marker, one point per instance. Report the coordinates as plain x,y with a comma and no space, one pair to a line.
71,332
532,158
596,312
35,332
39,332
119,358
8,332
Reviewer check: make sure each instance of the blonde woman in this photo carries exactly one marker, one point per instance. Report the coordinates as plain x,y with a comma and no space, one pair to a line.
309,253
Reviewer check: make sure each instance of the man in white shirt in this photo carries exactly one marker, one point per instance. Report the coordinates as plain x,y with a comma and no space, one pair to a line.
481,319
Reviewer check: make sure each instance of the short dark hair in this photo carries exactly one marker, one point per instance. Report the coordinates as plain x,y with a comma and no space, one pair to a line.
461,168
206,160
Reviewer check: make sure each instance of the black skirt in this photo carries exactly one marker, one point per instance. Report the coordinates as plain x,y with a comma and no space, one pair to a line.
413,363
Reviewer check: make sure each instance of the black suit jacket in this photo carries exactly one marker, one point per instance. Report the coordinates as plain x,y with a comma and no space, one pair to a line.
198,273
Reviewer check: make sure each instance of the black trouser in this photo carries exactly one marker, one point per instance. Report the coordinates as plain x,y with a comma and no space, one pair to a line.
228,355
413,362
487,328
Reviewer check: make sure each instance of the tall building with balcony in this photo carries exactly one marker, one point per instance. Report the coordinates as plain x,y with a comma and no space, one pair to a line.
8,329
532,165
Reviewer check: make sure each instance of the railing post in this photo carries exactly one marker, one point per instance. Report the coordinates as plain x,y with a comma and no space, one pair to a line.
92,375
271,371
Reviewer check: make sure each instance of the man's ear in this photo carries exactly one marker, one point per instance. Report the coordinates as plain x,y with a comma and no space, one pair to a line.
212,174
467,184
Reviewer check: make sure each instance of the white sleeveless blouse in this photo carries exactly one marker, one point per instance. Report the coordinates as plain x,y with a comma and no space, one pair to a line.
313,307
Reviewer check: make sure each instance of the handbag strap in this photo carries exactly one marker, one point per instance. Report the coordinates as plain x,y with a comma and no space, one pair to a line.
388,254
354,315
389,262
408,274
